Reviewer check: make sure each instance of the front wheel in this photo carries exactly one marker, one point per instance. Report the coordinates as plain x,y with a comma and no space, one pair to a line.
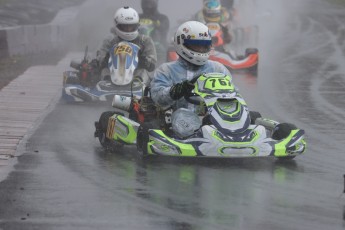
282,131
143,136
101,128
142,139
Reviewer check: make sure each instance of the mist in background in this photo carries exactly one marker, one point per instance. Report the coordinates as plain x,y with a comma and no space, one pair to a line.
96,17
270,16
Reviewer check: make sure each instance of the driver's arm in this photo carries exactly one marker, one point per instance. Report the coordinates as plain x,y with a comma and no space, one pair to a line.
160,87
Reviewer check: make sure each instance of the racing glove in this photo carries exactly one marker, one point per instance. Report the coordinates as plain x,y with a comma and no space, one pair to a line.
181,89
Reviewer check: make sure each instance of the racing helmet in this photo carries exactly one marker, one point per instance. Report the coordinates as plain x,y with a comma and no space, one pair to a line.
192,42
149,6
212,10
126,21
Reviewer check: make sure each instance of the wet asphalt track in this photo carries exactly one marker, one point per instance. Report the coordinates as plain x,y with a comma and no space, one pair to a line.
64,180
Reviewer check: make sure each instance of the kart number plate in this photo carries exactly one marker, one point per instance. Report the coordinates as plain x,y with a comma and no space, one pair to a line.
218,84
124,49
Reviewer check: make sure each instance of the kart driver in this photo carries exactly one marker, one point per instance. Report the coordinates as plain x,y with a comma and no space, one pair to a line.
126,26
213,11
170,83
161,21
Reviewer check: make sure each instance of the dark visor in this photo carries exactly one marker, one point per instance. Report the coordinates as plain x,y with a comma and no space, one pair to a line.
128,27
200,46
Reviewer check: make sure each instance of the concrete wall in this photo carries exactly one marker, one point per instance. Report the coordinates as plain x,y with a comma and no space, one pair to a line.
32,39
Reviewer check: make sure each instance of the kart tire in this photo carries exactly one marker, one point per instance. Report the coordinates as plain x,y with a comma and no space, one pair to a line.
103,125
253,116
142,139
251,51
143,136
254,70
72,80
282,131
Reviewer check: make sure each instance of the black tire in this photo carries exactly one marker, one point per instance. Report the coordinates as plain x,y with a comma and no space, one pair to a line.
253,116
102,128
254,70
142,140
282,131
143,136
251,51
74,80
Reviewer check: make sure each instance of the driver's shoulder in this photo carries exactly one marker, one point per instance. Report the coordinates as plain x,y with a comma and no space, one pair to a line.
214,66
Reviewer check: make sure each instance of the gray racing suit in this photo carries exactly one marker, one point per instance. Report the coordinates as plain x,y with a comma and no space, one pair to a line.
147,56
171,73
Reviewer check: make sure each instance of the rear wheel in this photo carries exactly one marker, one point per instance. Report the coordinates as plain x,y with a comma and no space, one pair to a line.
74,80
251,51
143,136
101,128
253,69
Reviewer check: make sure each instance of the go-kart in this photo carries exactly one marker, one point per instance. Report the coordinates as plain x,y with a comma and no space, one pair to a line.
226,129
85,83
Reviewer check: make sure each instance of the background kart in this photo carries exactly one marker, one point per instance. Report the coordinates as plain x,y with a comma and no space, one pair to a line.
85,83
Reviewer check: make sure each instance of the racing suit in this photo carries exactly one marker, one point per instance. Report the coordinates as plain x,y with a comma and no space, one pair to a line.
171,73
147,56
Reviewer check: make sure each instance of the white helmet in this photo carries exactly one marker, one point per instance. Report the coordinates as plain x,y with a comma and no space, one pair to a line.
193,42
126,23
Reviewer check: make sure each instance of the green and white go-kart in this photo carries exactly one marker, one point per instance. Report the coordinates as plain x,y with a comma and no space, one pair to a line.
227,128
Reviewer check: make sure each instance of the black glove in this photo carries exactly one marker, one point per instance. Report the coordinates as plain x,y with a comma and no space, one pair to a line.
181,89
144,62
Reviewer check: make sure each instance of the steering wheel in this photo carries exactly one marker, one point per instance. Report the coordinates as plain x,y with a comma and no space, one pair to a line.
192,97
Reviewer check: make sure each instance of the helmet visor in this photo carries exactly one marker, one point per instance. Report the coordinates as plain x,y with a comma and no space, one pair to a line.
128,27
200,46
